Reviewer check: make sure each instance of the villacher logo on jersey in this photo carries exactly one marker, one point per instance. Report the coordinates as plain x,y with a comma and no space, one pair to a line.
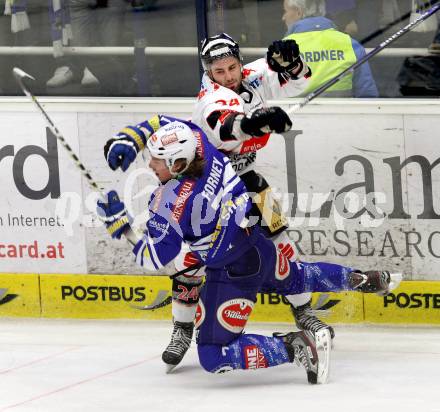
234,314
6,297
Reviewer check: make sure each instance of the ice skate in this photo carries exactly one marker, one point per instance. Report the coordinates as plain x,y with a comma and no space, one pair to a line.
305,319
374,281
179,344
312,351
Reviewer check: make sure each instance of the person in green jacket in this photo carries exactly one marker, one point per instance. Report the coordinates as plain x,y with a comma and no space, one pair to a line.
326,50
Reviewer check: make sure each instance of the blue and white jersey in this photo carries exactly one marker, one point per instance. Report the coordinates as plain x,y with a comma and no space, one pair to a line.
208,213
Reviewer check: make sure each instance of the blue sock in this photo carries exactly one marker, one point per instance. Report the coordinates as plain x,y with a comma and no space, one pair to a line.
248,351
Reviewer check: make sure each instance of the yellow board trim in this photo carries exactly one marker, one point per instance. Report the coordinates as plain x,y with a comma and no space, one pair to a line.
344,307
412,302
124,296
102,297
19,295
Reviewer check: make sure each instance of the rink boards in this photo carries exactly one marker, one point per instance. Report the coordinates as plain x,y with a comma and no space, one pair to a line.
127,297
359,181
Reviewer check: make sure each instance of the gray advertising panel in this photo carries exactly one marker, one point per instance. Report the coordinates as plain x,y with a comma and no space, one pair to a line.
34,172
363,190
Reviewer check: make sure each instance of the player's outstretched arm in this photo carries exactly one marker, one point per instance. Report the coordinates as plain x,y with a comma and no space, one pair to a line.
251,132
159,244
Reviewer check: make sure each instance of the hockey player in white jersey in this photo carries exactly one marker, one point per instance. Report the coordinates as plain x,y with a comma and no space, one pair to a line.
232,110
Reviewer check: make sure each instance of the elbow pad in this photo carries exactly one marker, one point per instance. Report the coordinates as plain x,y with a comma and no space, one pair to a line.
230,128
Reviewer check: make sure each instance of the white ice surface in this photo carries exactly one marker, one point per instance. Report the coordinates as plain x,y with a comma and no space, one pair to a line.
59,365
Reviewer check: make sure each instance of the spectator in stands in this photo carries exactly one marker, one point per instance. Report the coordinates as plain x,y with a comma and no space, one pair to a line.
96,23
326,50
70,69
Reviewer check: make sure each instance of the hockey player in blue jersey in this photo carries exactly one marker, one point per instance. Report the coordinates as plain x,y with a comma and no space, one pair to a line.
232,109
202,202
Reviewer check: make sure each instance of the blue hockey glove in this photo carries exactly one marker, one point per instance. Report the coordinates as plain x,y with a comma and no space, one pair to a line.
113,214
121,150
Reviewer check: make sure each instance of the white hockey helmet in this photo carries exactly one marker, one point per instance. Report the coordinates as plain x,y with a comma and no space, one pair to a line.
171,142
218,47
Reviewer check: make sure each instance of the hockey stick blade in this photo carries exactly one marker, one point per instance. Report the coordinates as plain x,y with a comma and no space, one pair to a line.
162,300
20,75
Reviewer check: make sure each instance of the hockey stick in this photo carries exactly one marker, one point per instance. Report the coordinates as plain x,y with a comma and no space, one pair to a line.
186,270
20,76
307,99
162,300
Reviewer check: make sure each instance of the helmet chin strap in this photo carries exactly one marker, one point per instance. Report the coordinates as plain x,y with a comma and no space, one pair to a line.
177,174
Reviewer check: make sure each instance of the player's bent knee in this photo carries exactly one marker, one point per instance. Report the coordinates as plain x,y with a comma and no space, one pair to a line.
211,359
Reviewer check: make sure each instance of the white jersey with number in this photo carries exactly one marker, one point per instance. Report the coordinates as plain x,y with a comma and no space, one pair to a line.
260,84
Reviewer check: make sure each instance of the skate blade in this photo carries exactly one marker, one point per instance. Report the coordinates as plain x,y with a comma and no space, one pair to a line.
169,368
323,347
395,279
